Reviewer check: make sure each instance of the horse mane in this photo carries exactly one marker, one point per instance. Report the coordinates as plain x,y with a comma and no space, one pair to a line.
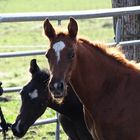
114,53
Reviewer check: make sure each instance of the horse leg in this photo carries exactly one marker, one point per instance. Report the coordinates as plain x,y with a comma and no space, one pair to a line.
69,127
91,125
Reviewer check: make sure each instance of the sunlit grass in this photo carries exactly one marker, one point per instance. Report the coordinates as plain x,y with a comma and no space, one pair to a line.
7,6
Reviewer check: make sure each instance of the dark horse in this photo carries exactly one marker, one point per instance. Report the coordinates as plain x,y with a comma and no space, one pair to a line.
36,98
105,81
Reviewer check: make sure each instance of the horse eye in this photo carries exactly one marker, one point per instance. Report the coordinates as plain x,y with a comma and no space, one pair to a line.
71,54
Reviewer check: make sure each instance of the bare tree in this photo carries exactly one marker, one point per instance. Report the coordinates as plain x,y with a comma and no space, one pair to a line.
130,28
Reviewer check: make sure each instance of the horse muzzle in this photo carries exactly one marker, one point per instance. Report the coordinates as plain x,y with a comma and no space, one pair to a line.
18,130
58,89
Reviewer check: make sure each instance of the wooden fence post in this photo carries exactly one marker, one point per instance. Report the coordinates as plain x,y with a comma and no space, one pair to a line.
130,29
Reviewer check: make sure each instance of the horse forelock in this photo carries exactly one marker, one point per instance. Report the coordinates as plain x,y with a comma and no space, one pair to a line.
114,53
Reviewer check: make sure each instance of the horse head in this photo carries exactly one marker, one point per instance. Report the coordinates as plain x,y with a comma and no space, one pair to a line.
61,56
34,97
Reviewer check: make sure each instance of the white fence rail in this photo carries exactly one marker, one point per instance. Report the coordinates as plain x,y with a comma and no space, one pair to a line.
41,52
40,16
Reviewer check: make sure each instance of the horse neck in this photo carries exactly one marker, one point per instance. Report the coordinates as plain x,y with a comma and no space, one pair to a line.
91,71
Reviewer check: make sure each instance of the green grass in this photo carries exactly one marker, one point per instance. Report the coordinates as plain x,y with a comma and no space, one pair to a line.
13,6
26,36
31,33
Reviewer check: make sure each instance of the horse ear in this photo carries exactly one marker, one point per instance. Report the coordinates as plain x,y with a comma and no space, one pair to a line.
49,30
33,67
72,28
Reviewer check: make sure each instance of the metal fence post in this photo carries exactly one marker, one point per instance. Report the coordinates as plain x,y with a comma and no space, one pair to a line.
57,132
118,31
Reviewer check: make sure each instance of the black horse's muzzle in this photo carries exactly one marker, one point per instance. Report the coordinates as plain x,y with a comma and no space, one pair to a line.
18,130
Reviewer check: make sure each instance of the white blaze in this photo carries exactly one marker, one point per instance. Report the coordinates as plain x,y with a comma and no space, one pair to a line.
33,94
17,126
58,47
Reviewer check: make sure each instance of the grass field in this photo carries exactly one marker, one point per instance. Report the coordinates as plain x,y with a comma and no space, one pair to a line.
28,36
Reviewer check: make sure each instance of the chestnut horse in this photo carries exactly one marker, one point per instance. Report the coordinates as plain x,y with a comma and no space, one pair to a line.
105,81
36,98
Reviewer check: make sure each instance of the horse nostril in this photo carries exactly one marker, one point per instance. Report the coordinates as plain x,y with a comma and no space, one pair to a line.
60,86
56,87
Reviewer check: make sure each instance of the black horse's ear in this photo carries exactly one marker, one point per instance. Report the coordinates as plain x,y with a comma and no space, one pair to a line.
33,66
49,30
73,28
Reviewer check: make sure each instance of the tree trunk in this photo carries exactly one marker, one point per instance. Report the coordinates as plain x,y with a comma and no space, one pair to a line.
130,28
